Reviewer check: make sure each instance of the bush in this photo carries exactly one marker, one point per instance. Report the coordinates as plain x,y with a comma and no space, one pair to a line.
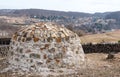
119,41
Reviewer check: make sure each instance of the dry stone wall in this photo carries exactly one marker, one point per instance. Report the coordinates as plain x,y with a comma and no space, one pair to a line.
45,46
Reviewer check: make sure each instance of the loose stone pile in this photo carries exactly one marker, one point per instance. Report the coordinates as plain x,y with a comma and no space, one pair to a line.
45,47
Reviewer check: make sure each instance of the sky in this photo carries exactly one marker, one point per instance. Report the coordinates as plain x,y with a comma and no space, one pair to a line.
88,6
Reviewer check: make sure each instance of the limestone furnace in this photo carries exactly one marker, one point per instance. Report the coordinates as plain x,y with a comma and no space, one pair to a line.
45,46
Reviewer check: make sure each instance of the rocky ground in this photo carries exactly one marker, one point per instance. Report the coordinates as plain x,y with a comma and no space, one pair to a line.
96,65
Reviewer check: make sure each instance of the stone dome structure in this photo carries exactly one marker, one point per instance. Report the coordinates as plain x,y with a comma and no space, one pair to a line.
45,46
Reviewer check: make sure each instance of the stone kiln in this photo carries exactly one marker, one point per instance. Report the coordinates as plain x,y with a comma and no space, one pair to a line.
45,47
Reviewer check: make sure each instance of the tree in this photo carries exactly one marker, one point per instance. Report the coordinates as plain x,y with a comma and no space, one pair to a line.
77,31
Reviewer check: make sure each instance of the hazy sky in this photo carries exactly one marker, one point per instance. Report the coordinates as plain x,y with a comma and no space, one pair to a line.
90,6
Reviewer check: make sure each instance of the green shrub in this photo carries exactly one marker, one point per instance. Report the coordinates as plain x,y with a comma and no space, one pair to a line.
119,41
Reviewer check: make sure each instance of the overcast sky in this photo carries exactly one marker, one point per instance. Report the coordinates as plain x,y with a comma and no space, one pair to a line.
89,6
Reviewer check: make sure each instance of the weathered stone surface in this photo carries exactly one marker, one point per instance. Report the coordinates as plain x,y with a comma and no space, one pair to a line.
45,46
36,39
34,56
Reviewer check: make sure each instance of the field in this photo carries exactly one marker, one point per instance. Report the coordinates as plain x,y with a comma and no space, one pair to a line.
96,65
113,37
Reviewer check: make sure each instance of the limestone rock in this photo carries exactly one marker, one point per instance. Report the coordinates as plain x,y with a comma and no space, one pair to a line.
45,46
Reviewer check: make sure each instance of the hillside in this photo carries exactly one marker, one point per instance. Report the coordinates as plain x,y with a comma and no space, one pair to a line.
41,12
89,23
109,37
113,15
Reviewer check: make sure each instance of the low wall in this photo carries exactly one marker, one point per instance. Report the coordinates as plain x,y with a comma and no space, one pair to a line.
88,48
101,48
5,41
